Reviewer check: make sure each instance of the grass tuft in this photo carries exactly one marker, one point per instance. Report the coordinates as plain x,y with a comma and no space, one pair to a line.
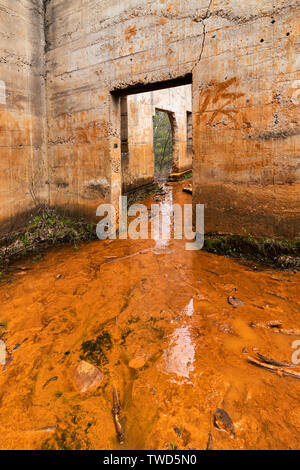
46,229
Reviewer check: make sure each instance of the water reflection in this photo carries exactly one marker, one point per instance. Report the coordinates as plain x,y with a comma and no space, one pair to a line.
189,309
180,356
162,223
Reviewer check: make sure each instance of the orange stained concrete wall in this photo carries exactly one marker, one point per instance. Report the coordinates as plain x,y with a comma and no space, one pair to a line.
23,164
61,124
245,67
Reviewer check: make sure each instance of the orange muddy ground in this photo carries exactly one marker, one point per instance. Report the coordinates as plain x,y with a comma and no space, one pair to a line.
168,309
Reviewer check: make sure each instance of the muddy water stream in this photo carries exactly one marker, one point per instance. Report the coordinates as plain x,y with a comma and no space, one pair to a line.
176,351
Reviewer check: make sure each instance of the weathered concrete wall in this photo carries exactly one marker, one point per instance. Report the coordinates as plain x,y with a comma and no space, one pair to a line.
245,68
247,153
138,163
23,167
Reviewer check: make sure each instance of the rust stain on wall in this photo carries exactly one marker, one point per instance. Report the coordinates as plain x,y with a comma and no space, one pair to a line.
217,99
130,32
59,121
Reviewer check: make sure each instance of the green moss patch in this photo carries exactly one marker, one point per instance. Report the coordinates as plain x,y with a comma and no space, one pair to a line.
94,351
185,175
45,230
72,434
283,254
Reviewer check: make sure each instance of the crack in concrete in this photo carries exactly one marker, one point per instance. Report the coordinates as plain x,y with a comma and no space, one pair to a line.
207,15
236,19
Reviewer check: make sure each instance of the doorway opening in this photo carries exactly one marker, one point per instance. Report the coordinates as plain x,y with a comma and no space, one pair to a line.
162,145
155,134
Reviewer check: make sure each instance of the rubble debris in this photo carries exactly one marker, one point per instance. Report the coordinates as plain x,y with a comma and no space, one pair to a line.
87,376
53,379
235,302
95,350
274,323
46,429
281,371
274,362
18,346
291,332
116,414
277,327
259,306
276,295
226,328
223,422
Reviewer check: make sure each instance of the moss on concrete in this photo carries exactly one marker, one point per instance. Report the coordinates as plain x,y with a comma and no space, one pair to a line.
278,253
94,350
45,230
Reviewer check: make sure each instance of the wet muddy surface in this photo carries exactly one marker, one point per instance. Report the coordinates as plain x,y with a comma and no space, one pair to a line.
169,329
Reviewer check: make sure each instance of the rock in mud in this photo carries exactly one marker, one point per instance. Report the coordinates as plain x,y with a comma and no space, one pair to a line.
137,363
87,376
289,262
223,422
226,328
235,302
274,324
